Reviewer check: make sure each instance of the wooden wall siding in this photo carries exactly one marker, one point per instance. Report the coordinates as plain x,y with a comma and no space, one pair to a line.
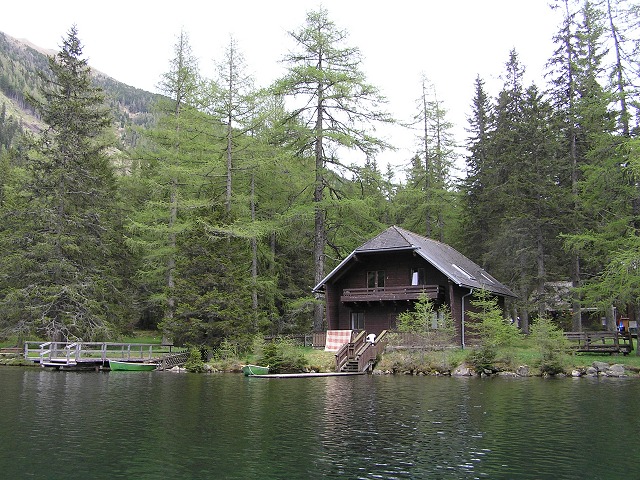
378,316
332,298
382,315
397,267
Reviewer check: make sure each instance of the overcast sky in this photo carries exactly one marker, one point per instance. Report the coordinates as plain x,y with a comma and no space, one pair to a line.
450,41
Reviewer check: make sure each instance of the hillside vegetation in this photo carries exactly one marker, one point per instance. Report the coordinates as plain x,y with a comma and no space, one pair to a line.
212,210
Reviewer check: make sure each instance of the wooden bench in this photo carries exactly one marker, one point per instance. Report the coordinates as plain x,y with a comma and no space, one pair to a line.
600,342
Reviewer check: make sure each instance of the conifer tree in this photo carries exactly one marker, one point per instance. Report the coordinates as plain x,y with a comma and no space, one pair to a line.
334,106
65,246
581,116
428,198
476,214
172,169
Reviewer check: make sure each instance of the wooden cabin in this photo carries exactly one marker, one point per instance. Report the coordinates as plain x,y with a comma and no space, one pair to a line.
386,275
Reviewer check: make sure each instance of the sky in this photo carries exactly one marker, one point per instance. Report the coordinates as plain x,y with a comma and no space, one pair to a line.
451,42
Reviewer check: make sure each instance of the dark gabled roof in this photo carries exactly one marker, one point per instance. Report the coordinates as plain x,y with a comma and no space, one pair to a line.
455,266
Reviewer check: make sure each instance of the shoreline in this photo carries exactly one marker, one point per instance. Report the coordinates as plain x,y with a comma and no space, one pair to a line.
596,369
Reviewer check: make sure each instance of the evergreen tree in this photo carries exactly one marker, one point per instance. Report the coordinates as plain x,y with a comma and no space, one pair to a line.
581,116
335,106
172,169
476,213
61,267
428,200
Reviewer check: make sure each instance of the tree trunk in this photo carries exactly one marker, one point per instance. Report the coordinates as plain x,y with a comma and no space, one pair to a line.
319,227
171,261
427,163
254,258
575,300
541,274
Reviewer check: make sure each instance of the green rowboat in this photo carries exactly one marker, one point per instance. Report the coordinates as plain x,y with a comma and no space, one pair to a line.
249,370
132,366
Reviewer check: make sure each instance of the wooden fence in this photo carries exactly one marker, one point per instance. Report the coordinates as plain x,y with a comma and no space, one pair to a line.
600,342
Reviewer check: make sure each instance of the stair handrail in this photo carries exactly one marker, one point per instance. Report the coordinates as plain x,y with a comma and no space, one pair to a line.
356,345
361,351
44,352
75,346
370,351
341,357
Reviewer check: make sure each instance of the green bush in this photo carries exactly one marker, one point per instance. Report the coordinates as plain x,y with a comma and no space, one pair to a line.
483,359
282,357
195,363
551,345
495,333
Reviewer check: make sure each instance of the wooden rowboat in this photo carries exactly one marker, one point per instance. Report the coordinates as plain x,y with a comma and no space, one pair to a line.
249,370
132,366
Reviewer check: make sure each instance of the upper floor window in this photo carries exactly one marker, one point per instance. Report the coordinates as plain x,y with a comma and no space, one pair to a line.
375,279
417,276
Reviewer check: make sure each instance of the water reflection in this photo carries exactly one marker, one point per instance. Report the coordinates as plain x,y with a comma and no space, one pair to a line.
159,425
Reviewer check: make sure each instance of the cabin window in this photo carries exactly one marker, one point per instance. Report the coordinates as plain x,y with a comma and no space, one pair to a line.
357,320
417,276
375,279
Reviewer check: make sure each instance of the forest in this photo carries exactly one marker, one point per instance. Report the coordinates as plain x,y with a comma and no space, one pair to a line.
212,210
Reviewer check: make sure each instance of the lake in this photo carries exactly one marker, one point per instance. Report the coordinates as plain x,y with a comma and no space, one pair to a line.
153,425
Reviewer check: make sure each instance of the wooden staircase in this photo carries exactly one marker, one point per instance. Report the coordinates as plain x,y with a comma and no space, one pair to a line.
359,355
351,366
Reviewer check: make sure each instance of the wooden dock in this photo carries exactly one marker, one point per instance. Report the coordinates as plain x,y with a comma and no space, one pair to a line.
307,375
96,355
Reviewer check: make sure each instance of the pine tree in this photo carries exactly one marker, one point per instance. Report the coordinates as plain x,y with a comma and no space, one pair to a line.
62,254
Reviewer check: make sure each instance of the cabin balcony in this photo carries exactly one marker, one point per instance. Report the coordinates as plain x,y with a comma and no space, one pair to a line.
392,294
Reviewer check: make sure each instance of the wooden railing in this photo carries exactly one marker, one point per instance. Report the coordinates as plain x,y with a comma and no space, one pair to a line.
407,292
173,360
366,358
76,351
343,354
361,351
601,342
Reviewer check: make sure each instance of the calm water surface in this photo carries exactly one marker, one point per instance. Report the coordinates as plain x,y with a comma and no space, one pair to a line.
139,425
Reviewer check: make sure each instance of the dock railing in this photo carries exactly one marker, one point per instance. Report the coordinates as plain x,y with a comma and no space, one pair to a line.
77,351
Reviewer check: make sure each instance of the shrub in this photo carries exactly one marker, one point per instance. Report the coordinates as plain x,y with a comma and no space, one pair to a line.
551,344
483,359
282,357
493,331
195,363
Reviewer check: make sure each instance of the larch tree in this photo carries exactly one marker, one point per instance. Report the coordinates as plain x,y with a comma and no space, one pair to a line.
333,107
65,251
437,150
172,169
233,102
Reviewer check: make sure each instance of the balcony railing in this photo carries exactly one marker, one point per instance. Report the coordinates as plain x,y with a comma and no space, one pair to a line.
390,294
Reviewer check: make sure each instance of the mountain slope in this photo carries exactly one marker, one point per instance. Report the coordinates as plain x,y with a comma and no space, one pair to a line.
20,65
